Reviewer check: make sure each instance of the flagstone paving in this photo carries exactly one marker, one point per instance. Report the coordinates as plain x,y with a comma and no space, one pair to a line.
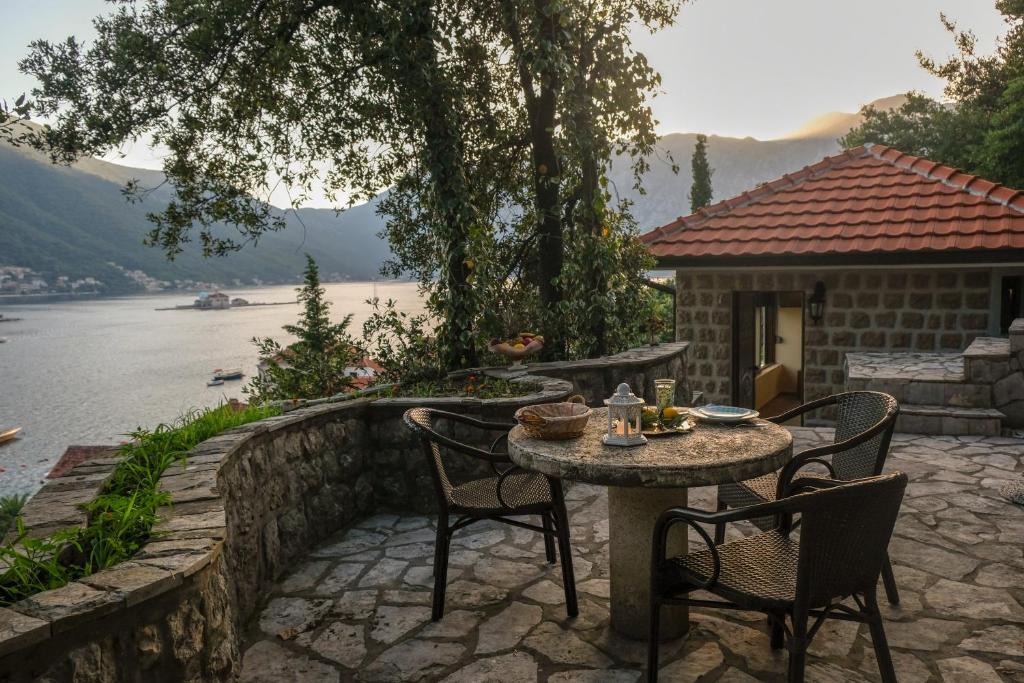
358,608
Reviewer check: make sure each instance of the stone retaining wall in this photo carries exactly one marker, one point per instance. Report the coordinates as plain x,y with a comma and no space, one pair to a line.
402,476
866,310
246,505
595,379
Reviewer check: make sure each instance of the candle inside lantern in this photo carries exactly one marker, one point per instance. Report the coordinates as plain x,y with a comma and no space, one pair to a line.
624,410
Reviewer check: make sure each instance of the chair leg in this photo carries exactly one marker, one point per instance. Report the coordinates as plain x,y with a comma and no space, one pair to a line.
890,582
798,649
654,624
440,566
778,630
549,539
720,528
564,548
878,639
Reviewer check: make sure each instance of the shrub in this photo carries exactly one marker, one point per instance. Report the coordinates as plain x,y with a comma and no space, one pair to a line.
402,344
317,364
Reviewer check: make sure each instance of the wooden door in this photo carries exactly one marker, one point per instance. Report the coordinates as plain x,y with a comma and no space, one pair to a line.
744,363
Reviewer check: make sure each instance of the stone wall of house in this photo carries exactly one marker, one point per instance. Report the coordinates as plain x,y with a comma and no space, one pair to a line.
245,506
931,309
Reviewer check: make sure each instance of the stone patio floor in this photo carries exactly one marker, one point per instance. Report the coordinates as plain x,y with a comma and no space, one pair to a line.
357,608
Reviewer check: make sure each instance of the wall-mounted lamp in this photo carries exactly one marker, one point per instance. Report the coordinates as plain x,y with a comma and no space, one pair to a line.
816,304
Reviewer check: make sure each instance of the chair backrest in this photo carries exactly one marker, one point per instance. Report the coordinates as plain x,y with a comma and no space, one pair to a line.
421,422
857,412
844,534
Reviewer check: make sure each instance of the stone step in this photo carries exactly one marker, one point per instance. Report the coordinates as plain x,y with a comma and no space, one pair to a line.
918,378
949,420
953,394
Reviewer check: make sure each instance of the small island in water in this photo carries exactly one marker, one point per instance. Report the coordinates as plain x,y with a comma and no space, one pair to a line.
219,301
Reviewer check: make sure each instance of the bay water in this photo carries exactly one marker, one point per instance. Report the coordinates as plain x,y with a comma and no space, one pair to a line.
89,372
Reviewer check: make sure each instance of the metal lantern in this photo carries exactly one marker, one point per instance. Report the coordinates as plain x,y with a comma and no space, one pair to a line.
816,304
624,421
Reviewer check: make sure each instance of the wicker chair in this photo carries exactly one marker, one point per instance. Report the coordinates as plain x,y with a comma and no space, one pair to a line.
510,492
864,425
837,554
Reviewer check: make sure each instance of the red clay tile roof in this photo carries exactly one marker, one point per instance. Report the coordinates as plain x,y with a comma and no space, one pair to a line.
868,200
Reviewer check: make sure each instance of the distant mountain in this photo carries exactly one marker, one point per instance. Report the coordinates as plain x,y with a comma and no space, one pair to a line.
74,221
739,164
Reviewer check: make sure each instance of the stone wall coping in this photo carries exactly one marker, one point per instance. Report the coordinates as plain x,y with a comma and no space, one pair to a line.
1017,335
997,348
641,355
56,506
551,390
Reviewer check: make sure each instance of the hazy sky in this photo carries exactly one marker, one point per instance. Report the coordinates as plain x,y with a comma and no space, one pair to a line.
730,67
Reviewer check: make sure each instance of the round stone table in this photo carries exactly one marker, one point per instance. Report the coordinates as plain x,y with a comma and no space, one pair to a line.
644,481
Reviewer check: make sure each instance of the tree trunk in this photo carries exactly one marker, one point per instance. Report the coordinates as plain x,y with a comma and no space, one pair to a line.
590,222
547,188
444,159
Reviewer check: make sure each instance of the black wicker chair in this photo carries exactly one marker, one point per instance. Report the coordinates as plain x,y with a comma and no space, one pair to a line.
864,425
837,552
510,492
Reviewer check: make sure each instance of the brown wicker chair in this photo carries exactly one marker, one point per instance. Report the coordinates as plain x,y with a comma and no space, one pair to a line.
510,492
864,425
837,553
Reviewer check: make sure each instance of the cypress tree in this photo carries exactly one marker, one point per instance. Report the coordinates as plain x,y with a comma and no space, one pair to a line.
700,190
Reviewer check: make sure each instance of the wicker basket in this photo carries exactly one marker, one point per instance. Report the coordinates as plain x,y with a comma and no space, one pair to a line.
555,421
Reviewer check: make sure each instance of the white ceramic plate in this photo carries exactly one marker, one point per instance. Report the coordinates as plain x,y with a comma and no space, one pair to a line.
725,416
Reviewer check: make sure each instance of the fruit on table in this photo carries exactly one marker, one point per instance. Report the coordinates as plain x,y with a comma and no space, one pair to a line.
649,416
671,416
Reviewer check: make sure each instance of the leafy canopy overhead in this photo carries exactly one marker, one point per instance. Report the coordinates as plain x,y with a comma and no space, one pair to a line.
492,123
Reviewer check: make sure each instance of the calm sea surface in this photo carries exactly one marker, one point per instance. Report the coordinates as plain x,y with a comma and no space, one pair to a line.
89,372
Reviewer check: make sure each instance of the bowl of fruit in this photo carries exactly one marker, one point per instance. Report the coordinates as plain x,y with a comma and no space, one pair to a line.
517,347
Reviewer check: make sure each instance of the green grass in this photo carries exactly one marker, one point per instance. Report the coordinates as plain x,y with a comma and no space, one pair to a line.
474,386
10,508
121,518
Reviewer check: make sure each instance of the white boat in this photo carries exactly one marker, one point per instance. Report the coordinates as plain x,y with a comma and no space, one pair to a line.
231,373
215,383
9,434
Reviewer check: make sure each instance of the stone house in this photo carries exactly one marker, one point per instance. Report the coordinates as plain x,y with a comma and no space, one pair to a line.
875,259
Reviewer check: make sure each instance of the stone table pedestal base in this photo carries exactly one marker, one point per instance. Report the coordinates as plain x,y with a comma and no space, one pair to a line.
632,513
